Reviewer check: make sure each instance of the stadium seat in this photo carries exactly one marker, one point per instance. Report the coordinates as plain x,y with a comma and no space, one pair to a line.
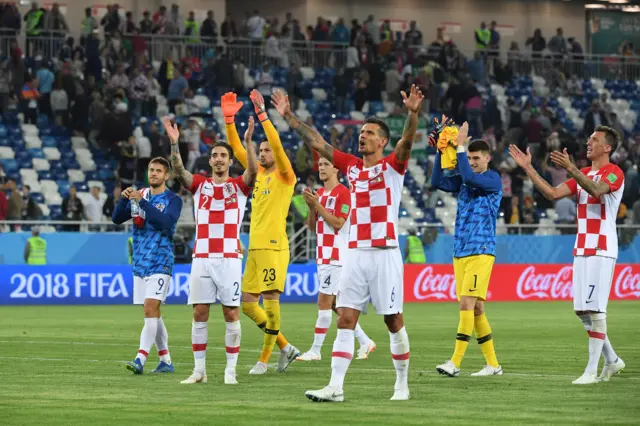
79,142
7,153
29,175
75,176
51,153
32,142
94,183
40,164
48,185
53,199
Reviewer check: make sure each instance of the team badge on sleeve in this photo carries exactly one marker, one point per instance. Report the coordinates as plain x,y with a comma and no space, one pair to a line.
612,177
344,209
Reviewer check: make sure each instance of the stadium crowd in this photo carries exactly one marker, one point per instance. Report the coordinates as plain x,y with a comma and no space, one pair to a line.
104,87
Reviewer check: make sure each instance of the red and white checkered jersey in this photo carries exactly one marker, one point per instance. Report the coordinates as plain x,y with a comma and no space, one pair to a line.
219,209
375,199
331,244
597,234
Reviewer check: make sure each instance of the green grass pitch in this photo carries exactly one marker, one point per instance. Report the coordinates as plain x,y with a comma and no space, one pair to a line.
65,366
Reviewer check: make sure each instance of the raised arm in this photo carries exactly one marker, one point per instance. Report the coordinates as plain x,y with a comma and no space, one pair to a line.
548,191
230,107
283,164
489,182
595,189
311,138
251,171
182,175
442,182
413,102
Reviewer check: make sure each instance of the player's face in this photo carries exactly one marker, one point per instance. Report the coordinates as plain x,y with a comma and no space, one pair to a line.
479,161
326,169
597,146
266,155
371,140
158,175
220,160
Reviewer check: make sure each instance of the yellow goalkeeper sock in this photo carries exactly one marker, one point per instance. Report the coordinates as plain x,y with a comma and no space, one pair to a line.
272,308
465,328
483,334
281,341
256,313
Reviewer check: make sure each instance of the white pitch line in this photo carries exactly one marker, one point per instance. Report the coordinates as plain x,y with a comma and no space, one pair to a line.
306,367
42,342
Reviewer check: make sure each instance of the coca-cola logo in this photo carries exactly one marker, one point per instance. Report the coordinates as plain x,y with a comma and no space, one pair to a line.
434,286
556,285
627,283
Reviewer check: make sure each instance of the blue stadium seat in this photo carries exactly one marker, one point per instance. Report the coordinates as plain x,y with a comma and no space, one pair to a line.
37,197
63,187
44,174
55,212
10,165
81,187
36,153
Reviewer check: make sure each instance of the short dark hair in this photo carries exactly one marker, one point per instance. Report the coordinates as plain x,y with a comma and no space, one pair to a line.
611,137
479,145
386,133
224,145
163,161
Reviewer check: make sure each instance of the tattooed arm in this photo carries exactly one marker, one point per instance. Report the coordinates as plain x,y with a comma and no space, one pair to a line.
179,171
311,138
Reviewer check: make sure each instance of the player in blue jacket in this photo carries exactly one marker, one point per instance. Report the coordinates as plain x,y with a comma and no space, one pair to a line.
155,212
479,193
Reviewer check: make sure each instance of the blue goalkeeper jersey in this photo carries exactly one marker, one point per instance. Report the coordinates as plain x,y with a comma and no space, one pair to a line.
153,233
479,196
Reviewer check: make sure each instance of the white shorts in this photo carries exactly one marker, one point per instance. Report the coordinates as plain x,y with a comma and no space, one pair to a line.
153,287
329,278
372,273
215,278
592,276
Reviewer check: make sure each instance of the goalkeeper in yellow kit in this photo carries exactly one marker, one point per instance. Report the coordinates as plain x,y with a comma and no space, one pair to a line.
266,268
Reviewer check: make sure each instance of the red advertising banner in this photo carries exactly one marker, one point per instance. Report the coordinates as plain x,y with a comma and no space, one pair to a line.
436,283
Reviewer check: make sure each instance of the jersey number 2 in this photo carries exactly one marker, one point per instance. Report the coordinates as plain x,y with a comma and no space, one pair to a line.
205,202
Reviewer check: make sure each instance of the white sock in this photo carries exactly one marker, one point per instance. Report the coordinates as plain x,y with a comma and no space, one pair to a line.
162,342
199,337
609,354
362,337
341,356
400,354
232,336
597,336
286,348
322,326
147,336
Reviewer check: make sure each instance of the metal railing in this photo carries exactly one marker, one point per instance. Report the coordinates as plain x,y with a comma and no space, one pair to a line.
330,54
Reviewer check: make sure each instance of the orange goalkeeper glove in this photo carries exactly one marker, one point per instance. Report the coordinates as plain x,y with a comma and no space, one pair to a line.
230,107
258,103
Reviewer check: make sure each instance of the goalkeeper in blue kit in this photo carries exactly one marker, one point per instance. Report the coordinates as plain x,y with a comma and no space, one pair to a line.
155,212
479,193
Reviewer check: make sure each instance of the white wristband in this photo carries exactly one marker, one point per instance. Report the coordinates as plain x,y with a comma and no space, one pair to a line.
460,148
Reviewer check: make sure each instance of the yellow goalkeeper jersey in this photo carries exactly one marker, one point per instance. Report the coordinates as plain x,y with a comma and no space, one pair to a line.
272,192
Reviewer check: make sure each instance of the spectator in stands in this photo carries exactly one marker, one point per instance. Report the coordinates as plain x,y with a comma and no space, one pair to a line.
150,104
272,51
482,37
528,215
5,86
255,27
89,24
119,80
95,203
146,24
566,211
340,90
29,100
229,31
175,18
476,68
143,148
128,162
116,129
360,95
111,20
60,105
340,32
3,178
45,80
10,24
209,29
14,204
112,200
371,30
138,90
191,134
558,44
4,205
538,44
593,118
34,19
177,89
72,209
30,209
413,36
159,143
494,39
